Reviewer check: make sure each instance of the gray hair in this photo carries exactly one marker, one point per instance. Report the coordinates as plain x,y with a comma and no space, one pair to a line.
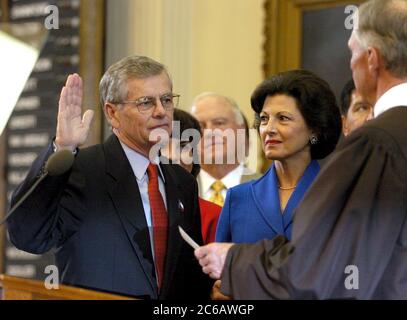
113,85
240,120
383,24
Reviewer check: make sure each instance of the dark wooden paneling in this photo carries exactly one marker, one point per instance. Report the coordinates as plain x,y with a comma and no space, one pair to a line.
75,47
284,29
4,18
324,46
3,10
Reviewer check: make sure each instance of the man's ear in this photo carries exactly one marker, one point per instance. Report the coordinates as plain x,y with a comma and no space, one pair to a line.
345,129
374,59
112,114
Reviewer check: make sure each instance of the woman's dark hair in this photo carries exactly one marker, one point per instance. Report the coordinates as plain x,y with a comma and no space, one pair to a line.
187,121
315,100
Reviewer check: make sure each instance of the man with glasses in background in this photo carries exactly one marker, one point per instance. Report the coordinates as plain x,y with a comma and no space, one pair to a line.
113,219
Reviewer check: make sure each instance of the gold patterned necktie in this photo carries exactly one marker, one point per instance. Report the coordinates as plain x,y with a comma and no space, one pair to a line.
217,197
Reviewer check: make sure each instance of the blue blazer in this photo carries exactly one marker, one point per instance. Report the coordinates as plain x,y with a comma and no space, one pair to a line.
252,210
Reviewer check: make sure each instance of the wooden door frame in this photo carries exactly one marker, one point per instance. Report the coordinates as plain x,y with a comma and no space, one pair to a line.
91,68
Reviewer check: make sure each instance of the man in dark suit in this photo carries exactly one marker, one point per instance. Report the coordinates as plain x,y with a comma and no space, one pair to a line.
350,232
112,220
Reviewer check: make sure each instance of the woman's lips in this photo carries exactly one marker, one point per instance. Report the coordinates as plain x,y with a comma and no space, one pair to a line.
272,142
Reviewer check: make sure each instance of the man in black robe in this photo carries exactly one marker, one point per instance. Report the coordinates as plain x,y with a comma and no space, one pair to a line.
350,231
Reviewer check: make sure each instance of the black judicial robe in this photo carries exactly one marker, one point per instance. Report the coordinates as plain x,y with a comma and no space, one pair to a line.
350,232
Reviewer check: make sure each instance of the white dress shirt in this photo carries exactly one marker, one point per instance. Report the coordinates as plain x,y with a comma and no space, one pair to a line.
396,96
232,179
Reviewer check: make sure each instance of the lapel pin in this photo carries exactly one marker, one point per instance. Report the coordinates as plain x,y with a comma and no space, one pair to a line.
180,206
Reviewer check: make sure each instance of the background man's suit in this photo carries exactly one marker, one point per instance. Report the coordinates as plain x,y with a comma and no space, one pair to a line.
94,219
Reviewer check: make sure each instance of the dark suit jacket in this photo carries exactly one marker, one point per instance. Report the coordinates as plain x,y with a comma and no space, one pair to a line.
350,231
93,219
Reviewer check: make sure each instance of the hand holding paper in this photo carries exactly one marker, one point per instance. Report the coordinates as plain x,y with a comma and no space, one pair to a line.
211,257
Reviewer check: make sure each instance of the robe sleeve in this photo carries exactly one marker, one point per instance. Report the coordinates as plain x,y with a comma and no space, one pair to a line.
347,232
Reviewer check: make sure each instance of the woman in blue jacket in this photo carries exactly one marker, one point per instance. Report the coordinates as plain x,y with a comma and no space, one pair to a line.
299,122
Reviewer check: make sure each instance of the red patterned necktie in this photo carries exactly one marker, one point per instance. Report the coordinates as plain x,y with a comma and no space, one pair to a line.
159,220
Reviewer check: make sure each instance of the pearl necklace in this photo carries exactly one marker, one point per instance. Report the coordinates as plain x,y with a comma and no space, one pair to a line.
290,188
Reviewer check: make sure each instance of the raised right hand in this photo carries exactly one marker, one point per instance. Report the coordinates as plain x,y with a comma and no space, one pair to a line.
72,129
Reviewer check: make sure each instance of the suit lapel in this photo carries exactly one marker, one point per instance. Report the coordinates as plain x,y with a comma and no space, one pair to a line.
124,192
303,185
201,191
174,243
267,200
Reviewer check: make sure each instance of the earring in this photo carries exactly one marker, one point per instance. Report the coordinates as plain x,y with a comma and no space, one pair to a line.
313,140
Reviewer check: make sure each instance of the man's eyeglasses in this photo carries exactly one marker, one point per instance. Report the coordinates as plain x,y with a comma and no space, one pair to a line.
147,104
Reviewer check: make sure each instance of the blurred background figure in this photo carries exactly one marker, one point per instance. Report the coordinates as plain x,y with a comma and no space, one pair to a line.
222,122
354,109
181,152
